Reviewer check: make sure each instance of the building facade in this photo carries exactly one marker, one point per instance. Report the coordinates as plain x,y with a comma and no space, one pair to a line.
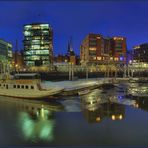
5,51
118,49
38,45
18,60
140,53
94,48
97,49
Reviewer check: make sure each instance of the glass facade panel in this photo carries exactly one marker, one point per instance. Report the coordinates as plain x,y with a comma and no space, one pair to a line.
38,44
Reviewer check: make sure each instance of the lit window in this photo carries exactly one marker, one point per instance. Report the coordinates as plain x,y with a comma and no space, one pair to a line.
98,37
111,58
116,59
98,58
35,27
28,26
27,33
121,58
92,48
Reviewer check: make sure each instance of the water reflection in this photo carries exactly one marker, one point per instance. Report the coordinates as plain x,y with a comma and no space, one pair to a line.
37,125
107,110
141,103
139,93
96,107
36,119
65,121
138,89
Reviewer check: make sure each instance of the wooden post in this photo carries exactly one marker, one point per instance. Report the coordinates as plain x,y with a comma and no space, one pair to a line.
86,72
72,71
69,65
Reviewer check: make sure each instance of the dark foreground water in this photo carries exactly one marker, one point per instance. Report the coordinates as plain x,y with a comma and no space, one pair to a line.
90,120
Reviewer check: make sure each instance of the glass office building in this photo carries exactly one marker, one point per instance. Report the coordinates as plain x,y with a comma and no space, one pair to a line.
38,45
5,51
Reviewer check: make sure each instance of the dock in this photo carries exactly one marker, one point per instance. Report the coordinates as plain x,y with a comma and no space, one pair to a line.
73,87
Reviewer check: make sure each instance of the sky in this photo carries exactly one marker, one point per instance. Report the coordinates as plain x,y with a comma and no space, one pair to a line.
76,19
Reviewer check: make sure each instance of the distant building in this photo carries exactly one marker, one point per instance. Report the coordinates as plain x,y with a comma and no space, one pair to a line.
60,58
69,57
71,54
97,49
140,53
18,60
5,51
129,56
38,45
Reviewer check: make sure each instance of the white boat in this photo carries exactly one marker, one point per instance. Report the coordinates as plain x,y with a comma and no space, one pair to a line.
26,86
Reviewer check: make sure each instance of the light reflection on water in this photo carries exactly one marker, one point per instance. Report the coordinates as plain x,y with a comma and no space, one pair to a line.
101,118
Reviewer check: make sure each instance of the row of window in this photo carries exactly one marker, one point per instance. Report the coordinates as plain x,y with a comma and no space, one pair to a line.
23,86
18,86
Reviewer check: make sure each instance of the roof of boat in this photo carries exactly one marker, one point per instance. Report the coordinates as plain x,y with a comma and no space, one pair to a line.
26,74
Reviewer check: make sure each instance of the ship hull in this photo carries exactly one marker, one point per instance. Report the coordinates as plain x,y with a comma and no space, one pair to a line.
29,94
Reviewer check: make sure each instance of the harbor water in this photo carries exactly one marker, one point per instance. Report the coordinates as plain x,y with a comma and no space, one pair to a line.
103,117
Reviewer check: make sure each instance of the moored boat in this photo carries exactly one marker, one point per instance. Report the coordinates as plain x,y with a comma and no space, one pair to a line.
26,86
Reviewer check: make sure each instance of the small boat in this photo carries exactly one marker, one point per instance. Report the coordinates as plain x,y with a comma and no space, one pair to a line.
75,90
84,92
138,90
27,85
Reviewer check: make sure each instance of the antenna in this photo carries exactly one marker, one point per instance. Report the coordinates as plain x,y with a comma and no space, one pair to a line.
71,43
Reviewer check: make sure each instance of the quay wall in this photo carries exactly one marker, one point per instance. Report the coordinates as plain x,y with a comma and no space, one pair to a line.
60,76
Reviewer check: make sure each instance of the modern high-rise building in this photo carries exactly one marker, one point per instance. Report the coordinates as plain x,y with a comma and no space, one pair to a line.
97,49
38,45
5,51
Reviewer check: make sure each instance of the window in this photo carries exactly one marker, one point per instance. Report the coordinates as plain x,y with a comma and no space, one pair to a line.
14,86
32,87
92,52
92,43
22,86
98,58
26,86
18,86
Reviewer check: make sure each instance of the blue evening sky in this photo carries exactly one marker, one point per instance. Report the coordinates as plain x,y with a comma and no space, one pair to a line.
76,19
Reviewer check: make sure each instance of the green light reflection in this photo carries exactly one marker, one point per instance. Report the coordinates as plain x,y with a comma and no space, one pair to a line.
38,128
